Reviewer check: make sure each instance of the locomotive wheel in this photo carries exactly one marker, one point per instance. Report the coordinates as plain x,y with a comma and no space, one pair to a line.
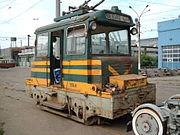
177,96
91,120
147,122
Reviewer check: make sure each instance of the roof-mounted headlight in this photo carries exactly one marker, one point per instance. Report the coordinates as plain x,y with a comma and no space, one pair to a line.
92,25
134,31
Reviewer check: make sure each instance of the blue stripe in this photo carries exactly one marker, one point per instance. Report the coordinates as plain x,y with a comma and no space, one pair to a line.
83,78
40,66
43,75
41,58
82,67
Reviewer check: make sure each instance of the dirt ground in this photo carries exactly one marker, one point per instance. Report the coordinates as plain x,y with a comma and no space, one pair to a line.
20,116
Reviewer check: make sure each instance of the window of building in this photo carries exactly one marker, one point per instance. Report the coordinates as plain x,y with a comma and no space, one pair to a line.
171,53
76,40
42,45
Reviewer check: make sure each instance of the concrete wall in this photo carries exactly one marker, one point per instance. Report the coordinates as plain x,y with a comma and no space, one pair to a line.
6,53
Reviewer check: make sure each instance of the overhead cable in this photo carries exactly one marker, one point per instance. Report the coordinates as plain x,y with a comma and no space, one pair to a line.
4,1
7,4
158,3
155,13
21,12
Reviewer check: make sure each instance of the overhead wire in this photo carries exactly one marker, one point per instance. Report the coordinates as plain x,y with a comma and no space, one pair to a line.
7,4
157,3
1,37
155,13
22,12
10,8
4,1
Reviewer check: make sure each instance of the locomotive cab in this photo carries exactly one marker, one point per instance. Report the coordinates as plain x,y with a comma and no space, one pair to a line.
111,45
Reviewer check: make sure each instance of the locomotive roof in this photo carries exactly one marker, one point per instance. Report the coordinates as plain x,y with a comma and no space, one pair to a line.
99,16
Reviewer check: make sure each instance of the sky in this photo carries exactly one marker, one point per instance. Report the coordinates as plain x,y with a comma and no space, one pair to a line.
19,18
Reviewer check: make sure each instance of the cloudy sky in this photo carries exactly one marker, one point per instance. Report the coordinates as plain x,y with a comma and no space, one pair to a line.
19,18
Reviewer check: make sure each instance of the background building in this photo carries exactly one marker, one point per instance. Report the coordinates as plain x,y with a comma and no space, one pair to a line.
21,55
11,53
148,46
26,56
169,44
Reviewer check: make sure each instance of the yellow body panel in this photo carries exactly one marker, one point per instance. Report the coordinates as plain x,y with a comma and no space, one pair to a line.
38,81
72,62
112,70
40,69
76,87
82,62
82,72
41,63
71,86
128,81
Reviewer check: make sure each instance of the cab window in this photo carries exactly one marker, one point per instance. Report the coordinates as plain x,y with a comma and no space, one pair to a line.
76,40
108,40
42,45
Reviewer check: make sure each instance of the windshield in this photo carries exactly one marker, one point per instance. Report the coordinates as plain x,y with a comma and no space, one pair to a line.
114,42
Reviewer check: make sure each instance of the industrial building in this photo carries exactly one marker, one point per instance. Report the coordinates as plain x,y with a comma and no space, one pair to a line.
148,46
169,44
22,56
26,57
11,53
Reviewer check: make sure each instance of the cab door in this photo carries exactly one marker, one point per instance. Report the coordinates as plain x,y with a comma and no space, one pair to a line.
75,63
40,66
56,57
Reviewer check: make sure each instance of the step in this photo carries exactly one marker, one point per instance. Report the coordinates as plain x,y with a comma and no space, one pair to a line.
53,105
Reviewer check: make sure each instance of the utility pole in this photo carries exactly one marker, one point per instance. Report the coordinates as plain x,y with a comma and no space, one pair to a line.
58,8
0,50
28,39
21,42
138,26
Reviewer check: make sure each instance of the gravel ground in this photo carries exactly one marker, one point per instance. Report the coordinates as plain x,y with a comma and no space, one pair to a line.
20,116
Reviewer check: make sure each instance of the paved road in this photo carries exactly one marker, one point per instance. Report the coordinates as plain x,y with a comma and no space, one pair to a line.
22,117
166,87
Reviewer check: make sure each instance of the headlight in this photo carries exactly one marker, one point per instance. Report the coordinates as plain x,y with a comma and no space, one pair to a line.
93,25
134,31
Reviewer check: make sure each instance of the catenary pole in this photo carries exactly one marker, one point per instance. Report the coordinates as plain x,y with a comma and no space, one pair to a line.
58,8
138,26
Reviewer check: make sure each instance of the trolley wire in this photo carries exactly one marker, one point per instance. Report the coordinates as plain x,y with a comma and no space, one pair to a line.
156,3
155,13
7,4
4,1
22,12
23,37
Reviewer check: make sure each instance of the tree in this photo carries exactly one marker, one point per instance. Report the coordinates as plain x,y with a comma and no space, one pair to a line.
148,61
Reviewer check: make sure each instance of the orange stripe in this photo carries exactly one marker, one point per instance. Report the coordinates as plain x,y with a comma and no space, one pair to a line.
41,63
40,69
82,62
82,72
